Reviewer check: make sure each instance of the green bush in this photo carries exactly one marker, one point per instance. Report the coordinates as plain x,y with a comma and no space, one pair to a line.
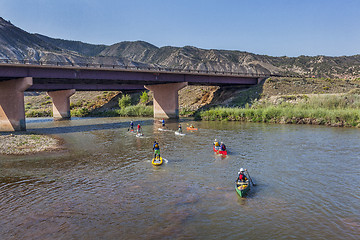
79,112
144,98
125,101
38,113
136,111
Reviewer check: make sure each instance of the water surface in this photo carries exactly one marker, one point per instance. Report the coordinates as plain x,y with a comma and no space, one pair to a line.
104,186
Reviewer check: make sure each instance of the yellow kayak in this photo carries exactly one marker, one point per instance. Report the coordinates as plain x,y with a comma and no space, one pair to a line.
157,161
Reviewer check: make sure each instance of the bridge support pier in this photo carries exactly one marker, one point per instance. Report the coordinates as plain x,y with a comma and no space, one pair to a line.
61,103
166,99
12,109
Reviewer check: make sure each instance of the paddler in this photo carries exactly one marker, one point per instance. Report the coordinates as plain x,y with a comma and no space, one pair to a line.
216,144
156,149
132,125
138,128
163,122
180,129
242,177
222,146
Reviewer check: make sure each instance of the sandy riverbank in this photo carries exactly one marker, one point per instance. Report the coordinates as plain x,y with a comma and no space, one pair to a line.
28,143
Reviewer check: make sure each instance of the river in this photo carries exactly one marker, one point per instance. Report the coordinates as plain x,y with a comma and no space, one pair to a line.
104,186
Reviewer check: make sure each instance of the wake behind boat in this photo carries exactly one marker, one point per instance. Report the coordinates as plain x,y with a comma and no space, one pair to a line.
165,130
139,135
179,133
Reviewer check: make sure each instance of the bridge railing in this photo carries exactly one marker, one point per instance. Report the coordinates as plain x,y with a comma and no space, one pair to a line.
130,67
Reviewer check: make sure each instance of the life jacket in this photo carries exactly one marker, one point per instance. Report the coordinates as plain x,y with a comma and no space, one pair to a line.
242,177
217,144
138,126
156,146
223,148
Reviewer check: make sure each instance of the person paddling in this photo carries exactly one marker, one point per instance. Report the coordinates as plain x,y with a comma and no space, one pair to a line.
222,146
138,128
216,144
180,129
242,177
156,149
163,122
132,126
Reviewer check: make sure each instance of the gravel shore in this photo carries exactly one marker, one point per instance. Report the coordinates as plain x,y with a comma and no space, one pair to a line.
28,143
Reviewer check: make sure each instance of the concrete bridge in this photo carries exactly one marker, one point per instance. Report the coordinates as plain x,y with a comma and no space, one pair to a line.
61,80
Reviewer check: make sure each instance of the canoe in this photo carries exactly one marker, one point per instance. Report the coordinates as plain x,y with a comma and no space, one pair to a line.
242,188
191,129
180,134
219,151
157,161
139,135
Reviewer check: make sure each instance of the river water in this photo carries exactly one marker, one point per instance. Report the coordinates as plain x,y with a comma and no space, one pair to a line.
104,186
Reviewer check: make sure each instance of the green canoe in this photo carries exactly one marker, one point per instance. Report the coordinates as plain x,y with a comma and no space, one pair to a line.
242,188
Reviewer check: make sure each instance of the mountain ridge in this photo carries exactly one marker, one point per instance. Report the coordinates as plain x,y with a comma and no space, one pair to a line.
18,44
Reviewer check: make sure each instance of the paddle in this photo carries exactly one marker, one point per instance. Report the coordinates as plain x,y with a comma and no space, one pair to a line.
250,178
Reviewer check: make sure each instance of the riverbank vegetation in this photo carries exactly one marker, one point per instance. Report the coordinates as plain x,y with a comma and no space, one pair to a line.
94,104
322,101
330,110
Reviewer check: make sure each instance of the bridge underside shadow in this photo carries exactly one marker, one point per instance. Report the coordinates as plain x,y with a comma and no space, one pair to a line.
60,84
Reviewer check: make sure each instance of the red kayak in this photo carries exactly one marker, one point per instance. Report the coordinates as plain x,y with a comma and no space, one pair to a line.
219,151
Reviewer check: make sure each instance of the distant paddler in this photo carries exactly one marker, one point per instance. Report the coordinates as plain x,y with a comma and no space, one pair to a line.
163,122
180,128
222,146
242,177
191,127
131,126
216,144
139,130
156,149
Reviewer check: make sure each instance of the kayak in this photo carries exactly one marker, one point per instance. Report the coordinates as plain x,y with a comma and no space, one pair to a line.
157,161
139,135
218,151
191,129
242,188
180,134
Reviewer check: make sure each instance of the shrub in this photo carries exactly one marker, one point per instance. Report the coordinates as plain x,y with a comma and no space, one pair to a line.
144,98
38,113
136,111
79,112
125,101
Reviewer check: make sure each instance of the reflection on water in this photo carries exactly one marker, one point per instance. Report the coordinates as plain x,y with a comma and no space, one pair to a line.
105,187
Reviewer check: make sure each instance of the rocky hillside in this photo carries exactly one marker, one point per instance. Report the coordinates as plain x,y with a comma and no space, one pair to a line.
16,43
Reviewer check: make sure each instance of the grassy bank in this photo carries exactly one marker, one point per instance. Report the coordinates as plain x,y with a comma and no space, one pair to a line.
130,111
330,110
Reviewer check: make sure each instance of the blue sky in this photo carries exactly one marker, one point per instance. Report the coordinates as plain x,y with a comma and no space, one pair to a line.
270,27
